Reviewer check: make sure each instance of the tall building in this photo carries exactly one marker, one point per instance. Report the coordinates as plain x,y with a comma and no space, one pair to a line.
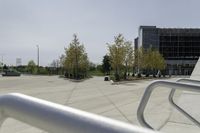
18,61
180,47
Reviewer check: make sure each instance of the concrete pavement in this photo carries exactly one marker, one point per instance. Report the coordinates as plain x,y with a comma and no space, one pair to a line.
94,95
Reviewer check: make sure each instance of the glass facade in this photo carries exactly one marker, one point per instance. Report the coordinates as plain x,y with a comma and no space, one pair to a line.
179,44
180,47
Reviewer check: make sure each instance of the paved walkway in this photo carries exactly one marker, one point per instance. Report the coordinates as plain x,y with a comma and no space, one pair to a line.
93,95
178,123
189,101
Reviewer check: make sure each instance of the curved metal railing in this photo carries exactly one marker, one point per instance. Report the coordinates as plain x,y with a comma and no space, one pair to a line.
55,118
172,102
152,86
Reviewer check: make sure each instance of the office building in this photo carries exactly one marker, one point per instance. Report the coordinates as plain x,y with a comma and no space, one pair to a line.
18,61
180,47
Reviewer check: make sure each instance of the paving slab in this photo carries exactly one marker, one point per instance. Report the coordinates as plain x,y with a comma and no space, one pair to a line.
94,95
189,101
172,127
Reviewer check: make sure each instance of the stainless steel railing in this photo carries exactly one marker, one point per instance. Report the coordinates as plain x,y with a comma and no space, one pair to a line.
168,84
55,118
172,102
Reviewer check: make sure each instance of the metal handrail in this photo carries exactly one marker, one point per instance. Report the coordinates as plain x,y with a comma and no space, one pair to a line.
151,87
172,102
55,118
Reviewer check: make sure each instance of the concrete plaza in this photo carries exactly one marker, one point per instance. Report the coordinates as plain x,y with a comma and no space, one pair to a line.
94,95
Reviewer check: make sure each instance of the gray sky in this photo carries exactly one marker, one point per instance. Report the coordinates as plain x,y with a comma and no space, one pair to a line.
51,24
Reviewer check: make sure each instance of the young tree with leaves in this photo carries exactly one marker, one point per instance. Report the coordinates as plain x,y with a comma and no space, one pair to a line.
152,60
139,62
129,59
76,60
117,53
158,62
31,67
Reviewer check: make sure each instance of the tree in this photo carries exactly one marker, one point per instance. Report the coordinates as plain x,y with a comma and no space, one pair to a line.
139,60
106,66
129,59
76,60
151,60
62,60
62,63
117,53
92,66
54,63
99,68
54,66
148,60
83,65
31,67
158,62
1,66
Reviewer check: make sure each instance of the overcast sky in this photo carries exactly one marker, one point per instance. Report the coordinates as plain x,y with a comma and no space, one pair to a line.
51,24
